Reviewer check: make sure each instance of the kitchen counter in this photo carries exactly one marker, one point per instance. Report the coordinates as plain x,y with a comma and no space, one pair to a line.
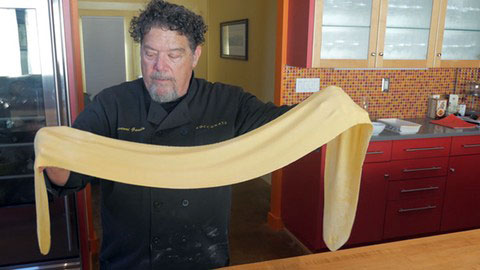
459,250
427,130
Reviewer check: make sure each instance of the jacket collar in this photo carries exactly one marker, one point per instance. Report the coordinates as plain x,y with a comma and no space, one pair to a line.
179,116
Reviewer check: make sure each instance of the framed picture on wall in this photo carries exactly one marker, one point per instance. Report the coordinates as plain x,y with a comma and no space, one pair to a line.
234,39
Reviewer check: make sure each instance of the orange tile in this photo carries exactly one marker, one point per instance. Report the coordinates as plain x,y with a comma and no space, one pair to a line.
409,89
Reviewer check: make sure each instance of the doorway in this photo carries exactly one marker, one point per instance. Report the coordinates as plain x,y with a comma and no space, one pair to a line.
103,52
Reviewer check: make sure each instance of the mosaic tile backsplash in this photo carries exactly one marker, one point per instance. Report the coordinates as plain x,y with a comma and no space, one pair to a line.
409,88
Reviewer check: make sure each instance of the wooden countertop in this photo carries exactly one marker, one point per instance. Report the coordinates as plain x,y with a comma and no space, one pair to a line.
459,250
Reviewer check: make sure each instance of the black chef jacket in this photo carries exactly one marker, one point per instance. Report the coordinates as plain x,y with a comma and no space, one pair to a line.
152,228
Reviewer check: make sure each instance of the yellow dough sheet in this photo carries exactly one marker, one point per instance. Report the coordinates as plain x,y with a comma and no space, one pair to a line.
328,116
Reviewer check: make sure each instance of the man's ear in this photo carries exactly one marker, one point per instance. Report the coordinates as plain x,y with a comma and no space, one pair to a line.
196,55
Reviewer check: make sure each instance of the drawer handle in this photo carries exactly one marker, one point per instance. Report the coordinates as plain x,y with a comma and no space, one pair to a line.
422,169
375,153
471,145
418,189
402,210
424,149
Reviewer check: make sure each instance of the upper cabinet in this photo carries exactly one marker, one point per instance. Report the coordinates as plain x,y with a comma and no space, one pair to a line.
345,33
459,41
406,35
384,33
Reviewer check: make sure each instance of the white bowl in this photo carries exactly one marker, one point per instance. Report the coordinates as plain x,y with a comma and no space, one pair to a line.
377,128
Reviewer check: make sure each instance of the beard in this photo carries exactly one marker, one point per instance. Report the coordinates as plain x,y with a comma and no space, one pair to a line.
170,92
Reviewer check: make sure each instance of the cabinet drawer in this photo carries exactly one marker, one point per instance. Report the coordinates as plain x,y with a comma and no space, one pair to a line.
418,168
422,148
416,188
465,145
411,217
379,151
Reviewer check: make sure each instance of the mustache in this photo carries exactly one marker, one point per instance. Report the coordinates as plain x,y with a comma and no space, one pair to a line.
160,76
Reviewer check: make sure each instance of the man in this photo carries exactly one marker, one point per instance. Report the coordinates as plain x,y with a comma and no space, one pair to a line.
149,228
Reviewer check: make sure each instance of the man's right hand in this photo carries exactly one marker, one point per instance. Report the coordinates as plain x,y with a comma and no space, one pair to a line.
58,176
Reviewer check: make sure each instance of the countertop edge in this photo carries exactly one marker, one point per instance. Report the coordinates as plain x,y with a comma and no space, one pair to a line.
428,130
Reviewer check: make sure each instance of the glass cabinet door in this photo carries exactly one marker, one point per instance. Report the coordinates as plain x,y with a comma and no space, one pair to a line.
461,36
345,32
377,33
409,33
346,29
408,29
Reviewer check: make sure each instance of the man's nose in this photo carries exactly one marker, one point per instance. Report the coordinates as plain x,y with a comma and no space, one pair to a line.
160,63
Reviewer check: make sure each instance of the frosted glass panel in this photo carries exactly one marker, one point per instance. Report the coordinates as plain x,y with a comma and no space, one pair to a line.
345,42
463,14
461,39
411,44
347,12
408,29
461,45
409,13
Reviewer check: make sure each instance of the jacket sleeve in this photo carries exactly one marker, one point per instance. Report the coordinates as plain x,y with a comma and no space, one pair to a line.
253,113
93,119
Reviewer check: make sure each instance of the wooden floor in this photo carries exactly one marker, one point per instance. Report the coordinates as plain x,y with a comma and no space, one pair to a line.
442,252
251,240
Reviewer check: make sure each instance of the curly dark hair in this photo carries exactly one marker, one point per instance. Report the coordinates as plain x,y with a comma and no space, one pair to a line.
160,13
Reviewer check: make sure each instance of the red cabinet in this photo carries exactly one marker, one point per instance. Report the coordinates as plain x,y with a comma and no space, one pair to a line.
418,168
421,148
368,224
462,198
302,199
468,145
414,207
416,187
411,217
379,151
408,188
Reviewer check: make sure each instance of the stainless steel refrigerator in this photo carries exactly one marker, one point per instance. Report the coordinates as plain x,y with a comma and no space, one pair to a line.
33,94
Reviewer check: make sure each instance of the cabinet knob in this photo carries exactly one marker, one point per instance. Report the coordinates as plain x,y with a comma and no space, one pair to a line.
373,54
381,53
386,175
439,54
452,169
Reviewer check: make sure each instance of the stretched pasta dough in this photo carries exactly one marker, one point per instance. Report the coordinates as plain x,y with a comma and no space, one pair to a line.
329,116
